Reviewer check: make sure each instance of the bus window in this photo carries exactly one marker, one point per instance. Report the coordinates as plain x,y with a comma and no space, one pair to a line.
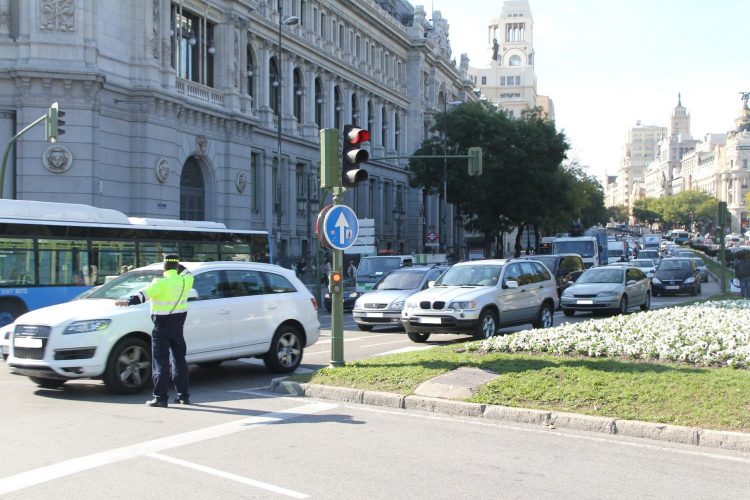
112,257
16,261
198,252
150,252
236,251
65,262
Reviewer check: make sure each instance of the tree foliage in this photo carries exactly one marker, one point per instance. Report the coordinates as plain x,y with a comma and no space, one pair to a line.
524,182
680,210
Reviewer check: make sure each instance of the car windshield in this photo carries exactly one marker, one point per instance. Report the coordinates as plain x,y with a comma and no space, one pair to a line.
602,275
125,285
547,261
403,280
674,265
470,275
642,263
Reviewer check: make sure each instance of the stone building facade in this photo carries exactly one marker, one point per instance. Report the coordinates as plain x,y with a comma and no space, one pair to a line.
179,108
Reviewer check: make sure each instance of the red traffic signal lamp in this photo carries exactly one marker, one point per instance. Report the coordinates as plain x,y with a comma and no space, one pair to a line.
352,155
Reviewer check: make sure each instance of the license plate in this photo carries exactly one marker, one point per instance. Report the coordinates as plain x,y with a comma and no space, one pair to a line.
584,302
432,321
27,342
374,315
672,287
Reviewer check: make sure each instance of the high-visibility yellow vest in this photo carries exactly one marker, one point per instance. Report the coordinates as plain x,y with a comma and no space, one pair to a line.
168,295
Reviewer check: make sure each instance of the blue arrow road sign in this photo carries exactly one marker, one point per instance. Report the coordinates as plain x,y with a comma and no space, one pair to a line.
341,227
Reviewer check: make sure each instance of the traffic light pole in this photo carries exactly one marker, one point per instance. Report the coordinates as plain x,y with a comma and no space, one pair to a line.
10,145
337,299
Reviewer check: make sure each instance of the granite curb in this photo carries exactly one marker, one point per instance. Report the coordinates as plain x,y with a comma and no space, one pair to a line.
734,441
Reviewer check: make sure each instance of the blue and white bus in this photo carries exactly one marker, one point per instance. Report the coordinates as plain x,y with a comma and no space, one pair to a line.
53,252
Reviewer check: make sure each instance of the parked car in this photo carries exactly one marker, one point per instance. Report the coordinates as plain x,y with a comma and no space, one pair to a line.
480,296
702,269
382,305
612,289
676,275
235,310
646,265
565,267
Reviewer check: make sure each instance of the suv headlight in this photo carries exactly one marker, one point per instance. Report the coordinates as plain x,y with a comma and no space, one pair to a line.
655,280
689,280
92,325
398,305
411,304
466,304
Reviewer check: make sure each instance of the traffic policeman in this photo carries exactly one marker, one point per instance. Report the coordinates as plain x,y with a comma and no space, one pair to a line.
168,297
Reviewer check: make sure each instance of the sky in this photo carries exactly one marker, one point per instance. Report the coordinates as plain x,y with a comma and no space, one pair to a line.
607,64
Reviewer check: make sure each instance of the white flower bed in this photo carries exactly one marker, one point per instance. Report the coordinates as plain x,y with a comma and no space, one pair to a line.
707,334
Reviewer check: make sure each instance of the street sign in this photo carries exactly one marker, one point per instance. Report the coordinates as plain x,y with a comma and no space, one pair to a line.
361,249
365,242
341,227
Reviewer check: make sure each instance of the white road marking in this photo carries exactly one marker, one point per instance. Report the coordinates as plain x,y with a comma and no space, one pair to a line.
229,475
75,465
405,349
555,432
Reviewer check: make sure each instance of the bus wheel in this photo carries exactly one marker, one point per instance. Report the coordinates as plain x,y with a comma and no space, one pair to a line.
129,366
9,311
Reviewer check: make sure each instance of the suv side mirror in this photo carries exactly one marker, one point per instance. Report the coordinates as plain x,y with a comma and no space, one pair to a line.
510,284
430,284
192,294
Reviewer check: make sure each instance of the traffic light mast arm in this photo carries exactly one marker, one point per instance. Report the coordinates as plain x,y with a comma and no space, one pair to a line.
10,145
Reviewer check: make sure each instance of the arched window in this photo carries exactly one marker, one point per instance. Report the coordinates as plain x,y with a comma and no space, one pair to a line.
319,102
514,60
355,109
384,129
397,131
250,71
273,85
298,92
192,191
338,107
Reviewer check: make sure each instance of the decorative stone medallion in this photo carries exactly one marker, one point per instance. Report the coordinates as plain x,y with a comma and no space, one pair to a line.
57,159
241,182
161,169
57,15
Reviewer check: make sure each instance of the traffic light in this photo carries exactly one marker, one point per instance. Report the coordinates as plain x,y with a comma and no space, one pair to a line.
475,161
335,282
352,155
53,123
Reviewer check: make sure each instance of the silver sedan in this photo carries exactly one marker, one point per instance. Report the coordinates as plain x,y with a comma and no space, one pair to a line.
612,289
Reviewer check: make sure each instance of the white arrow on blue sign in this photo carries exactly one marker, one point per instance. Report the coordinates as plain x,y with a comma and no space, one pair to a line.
341,227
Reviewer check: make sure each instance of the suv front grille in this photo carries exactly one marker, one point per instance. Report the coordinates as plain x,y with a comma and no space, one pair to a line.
31,331
30,352
37,331
438,304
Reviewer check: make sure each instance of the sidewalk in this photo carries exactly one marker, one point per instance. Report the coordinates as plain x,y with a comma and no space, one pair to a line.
447,391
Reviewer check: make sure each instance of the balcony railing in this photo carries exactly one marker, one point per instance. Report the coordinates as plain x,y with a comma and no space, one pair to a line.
197,92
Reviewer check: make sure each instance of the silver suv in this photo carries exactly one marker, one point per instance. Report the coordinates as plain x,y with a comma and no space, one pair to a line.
478,297
383,304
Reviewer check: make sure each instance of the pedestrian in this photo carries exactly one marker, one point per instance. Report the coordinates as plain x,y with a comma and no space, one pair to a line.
168,296
326,271
351,270
742,273
301,268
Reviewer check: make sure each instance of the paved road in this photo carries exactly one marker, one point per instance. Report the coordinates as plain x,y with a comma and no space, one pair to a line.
241,441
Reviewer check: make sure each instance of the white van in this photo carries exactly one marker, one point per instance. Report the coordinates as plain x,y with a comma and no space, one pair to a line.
616,252
374,267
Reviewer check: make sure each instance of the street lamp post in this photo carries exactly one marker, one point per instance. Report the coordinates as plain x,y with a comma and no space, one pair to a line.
443,232
288,22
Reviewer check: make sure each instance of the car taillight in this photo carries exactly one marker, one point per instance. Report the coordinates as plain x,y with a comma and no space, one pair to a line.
314,303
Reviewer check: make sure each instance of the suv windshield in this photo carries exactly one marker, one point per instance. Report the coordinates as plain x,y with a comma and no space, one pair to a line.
401,280
478,275
125,285
601,275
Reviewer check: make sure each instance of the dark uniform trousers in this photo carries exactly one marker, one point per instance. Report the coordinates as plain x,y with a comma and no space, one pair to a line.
168,336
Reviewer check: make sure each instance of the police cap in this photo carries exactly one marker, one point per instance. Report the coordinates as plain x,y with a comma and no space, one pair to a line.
172,258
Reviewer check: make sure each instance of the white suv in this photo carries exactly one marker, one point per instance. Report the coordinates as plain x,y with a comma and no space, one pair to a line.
478,297
235,310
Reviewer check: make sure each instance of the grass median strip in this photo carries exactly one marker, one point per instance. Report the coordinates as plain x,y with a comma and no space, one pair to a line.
644,366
